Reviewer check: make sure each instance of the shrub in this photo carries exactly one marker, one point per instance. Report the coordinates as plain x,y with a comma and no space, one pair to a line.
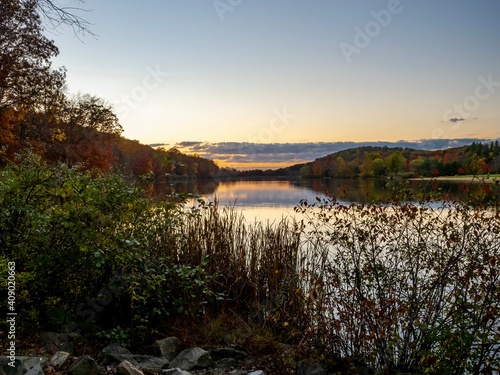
66,230
405,287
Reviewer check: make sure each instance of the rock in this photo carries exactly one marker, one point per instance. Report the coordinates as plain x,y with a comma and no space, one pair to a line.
22,365
167,347
258,372
191,358
153,364
113,355
126,368
37,370
86,365
310,367
175,371
115,349
59,359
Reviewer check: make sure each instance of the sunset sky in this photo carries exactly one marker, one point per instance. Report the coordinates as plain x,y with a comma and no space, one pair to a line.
291,71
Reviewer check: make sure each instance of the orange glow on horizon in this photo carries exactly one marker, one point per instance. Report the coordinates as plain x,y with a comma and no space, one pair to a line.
257,165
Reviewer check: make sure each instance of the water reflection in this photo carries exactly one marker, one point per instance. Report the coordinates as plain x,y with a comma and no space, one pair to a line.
288,193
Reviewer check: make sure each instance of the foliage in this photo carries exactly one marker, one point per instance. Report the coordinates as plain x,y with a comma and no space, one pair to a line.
36,111
95,254
407,287
401,287
25,53
64,228
369,161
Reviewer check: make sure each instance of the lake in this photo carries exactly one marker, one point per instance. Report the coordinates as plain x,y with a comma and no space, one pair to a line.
263,199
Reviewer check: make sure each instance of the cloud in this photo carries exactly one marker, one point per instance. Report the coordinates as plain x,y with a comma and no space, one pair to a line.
187,144
245,154
158,144
456,119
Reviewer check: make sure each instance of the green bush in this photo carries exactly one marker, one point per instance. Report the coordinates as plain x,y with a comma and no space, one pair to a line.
66,230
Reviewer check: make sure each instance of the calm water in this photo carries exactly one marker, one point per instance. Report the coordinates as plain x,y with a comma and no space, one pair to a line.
274,199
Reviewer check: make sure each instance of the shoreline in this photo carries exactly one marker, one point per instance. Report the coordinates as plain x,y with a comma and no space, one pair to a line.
471,179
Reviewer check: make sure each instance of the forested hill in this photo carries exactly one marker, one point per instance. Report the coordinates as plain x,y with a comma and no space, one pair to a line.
157,163
369,161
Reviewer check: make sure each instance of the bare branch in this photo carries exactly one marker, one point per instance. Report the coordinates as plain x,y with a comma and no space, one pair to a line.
57,16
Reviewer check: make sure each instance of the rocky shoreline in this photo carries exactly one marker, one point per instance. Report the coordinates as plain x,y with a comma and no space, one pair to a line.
166,359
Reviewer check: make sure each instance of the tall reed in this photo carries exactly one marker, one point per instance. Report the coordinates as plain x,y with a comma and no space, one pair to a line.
255,263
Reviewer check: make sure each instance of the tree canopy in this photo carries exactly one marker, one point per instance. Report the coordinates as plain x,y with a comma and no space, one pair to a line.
36,110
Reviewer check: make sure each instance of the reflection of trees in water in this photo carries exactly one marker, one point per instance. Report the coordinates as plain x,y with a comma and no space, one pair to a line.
352,190
370,190
200,186
349,190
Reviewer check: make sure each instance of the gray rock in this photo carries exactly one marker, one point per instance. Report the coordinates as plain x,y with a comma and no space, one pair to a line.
5,368
257,372
22,365
86,365
37,370
59,359
192,358
309,367
126,368
175,371
167,347
153,364
135,359
113,355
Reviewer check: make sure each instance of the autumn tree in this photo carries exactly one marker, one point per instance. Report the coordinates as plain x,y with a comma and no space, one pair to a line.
330,166
395,162
368,168
318,168
475,165
416,165
342,166
86,130
27,80
305,171
378,165
25,54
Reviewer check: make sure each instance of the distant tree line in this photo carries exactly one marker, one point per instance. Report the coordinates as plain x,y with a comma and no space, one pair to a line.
369,161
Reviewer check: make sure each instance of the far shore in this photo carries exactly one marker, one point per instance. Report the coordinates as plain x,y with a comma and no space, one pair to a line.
474,179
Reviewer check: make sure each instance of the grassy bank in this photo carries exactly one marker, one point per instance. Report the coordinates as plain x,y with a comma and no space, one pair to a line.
401,288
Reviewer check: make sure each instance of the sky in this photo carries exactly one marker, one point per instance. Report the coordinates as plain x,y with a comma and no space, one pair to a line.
264,74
